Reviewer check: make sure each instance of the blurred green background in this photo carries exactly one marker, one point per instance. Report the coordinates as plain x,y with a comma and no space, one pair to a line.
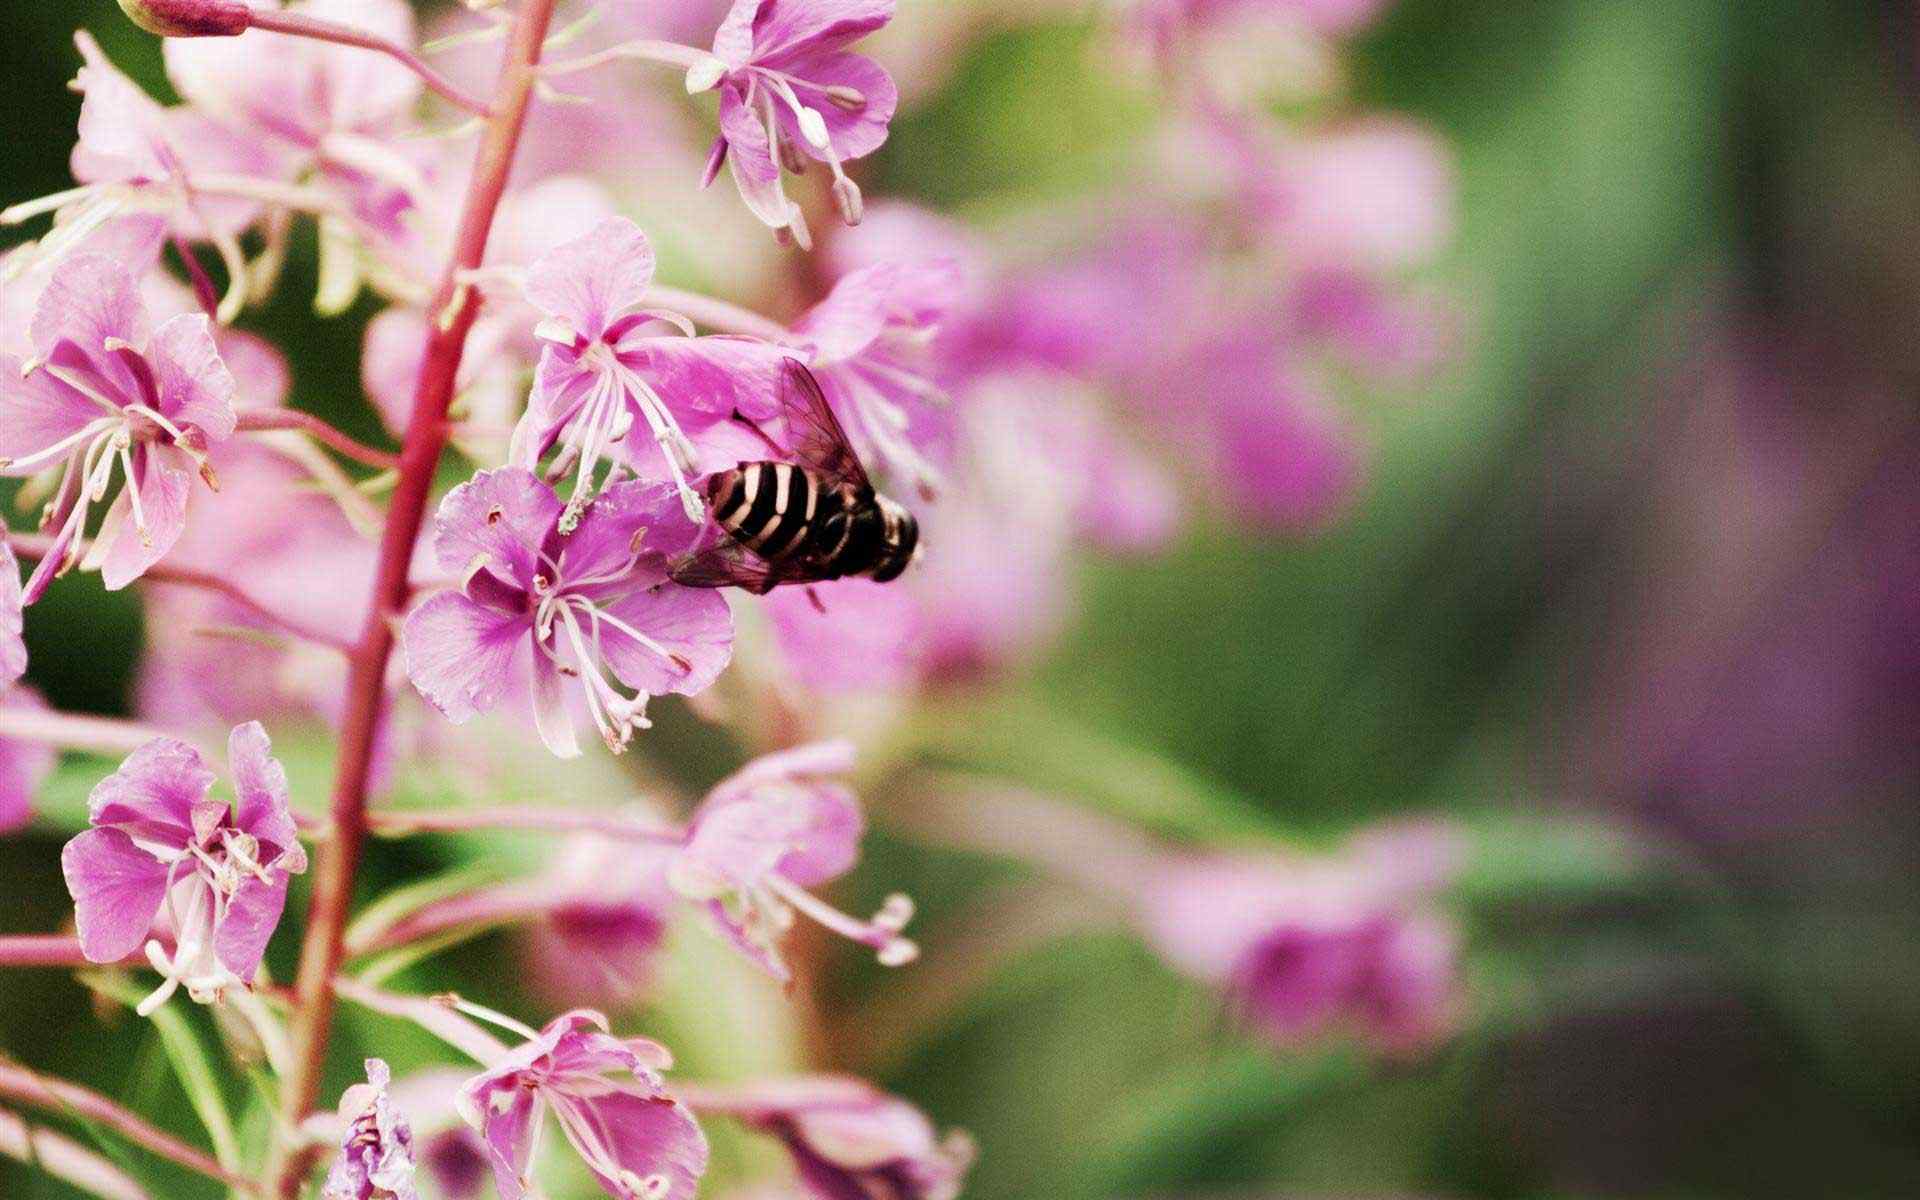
1662,205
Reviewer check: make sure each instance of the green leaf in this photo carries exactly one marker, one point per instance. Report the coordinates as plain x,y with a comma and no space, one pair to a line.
189,1058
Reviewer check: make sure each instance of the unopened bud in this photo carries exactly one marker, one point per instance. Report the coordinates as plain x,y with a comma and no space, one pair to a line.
188,18
847,198
849,98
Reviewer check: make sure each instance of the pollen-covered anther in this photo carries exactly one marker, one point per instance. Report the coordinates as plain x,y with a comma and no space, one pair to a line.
848,200
850,99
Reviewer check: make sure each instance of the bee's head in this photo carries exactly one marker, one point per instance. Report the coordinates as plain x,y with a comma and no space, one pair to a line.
899,540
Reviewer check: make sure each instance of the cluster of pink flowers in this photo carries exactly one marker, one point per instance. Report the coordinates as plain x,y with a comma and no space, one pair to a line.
592,407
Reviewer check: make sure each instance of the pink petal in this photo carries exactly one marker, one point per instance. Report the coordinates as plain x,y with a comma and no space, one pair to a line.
90,299
460,654
786,29
714,376
122,552
852,316
552,718
865,641
750,159
626,517
116,888
13,651
849,134
591,280
390,363
502,516
261,796
119,124
733,41
36,412
194,384
647,1135
261,377
159,794
694,623
509,1136
241,939
23,765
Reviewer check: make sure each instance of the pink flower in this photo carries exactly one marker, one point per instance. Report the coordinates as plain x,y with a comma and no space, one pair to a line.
376,1151
104,394
540,605
788,86
160,844
870,342
608,370
24,765
637,1140
766,834
1375,194
13,648
1308,946
606,906
849,1139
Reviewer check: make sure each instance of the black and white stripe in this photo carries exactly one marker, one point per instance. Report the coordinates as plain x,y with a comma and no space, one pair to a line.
767,507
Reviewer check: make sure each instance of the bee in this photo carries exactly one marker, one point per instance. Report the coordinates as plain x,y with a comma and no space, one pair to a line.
803,522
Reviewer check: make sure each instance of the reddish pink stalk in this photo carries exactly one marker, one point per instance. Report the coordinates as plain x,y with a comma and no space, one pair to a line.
59,1096
477,820
319,431
301,25
425,441
42,950
31,545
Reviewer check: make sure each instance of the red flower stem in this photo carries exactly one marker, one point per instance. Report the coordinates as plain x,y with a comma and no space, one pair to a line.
252,419
392,823
425,441
300,25
76,731
42,950
33,545
70,1099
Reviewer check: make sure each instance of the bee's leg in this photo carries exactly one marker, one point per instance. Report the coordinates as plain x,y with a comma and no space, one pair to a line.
742,419
819,605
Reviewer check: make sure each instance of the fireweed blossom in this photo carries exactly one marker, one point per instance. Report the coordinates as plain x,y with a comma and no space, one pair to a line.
539,605
765,835
104,394
376,1149
789,86
871,344
24,765
1304,946
848,1139
638,1141
162,846
608,366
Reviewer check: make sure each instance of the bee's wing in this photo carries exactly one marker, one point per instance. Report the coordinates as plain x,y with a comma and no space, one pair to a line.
725,563
815,434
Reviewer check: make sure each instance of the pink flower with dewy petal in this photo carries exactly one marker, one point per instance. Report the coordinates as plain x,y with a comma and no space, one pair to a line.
618,378
539,605
162,846
763,836
850,1139
105,395
789,86
611,1103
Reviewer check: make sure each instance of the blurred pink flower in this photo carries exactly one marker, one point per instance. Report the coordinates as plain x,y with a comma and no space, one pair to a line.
104,391
637,1140
452,1157
376,1149
608,369
1308,946
606,906
160,842
849,1139
24,765
788,85
543,605
13,650
1376,194
766,834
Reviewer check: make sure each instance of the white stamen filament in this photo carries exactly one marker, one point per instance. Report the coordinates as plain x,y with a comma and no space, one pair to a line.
813,126
882,932
39,457
674,446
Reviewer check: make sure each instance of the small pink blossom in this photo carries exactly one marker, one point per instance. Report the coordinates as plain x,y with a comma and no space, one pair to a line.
850,1139
540,605
102,395
1307,946
765,835
161,845
612,368
376,1149
789,86
611,1103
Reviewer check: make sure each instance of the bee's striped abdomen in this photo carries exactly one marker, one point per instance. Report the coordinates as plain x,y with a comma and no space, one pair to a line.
766,506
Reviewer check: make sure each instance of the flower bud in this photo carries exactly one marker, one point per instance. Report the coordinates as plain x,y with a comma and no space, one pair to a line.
188,18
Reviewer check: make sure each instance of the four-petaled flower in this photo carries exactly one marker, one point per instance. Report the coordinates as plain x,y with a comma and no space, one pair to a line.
161,846
638,1141
766,834
376,1147
610,365
539,604
849,1139
103,392
788,86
